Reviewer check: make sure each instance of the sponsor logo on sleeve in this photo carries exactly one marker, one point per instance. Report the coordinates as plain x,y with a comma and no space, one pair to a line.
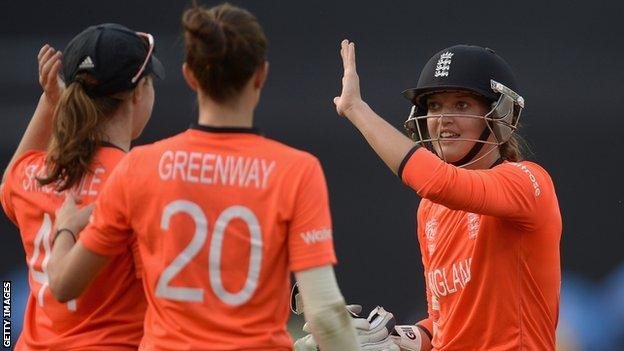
532,178
316,236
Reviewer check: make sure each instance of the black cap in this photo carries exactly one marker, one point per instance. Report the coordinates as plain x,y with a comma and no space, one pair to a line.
462,67
113,55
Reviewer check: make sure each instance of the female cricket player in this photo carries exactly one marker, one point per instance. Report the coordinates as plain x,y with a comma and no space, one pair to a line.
221,214
489,224
104,102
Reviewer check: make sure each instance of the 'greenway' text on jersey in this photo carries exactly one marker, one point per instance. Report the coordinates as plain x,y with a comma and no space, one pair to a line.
210,168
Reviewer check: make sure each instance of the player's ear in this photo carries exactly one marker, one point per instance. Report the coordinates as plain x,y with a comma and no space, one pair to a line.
139,91
189,77
261,75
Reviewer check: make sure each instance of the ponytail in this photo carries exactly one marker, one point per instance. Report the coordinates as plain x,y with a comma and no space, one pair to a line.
76,133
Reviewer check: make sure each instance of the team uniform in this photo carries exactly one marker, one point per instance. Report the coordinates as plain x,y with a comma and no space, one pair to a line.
489,241
221,216
109,314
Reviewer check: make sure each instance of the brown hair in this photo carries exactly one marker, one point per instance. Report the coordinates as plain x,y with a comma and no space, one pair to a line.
225,45
77,132
512,150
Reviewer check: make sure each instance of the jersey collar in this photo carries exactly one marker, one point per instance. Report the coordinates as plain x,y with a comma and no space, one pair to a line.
212,129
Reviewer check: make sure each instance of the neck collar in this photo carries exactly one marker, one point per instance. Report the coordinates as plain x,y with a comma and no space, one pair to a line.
213,129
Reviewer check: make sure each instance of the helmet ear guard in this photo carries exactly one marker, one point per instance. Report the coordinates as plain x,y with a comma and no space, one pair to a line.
416,127
505,114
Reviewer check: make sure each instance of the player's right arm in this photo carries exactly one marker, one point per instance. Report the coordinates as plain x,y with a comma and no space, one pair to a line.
73,265
39,129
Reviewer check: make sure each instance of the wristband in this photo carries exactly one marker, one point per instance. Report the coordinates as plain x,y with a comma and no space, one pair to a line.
59,231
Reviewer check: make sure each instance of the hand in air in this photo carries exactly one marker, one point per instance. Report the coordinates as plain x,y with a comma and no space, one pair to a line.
49,66
350,96
70,216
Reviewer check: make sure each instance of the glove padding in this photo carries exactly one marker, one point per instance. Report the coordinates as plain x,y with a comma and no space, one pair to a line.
407,337
373,333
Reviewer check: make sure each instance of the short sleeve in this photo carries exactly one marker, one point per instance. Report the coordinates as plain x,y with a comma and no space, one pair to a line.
310,240
12,181
109,232
5,199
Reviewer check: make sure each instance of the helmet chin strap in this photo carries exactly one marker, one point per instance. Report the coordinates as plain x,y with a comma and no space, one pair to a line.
474,150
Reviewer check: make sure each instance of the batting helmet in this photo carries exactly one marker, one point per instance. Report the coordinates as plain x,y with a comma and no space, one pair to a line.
467,68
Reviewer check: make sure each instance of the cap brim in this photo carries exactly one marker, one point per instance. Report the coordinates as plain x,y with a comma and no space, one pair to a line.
157,67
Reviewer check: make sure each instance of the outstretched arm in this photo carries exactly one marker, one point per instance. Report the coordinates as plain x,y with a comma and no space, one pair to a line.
389,143
39,129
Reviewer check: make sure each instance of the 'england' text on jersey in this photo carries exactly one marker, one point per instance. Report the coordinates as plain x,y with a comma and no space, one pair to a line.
209,168
448,280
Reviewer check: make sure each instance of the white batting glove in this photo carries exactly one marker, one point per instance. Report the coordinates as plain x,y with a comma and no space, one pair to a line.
373,333
407,337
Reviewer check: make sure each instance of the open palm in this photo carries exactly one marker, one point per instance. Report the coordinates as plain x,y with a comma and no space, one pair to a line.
350,95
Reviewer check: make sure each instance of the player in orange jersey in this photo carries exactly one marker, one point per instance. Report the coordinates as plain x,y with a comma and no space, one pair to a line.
107,101
489,224
221,214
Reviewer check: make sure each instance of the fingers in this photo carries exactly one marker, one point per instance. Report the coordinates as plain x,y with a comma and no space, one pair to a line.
347,52
343,52
42,51
49,76
43,59
54,72
47,66
352,56
70,200
86,211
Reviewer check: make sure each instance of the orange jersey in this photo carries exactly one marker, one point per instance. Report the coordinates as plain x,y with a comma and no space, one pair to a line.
109,314
222,216
489,241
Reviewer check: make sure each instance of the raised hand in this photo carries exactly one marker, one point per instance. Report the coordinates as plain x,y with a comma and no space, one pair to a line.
49,66
350,96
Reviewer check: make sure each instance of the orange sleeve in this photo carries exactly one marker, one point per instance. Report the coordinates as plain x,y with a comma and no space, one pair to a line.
510,190
5,199
109,231
11,182
426,323
310,242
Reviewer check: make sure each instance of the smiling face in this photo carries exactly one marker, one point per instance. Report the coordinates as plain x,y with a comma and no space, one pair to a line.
450,127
